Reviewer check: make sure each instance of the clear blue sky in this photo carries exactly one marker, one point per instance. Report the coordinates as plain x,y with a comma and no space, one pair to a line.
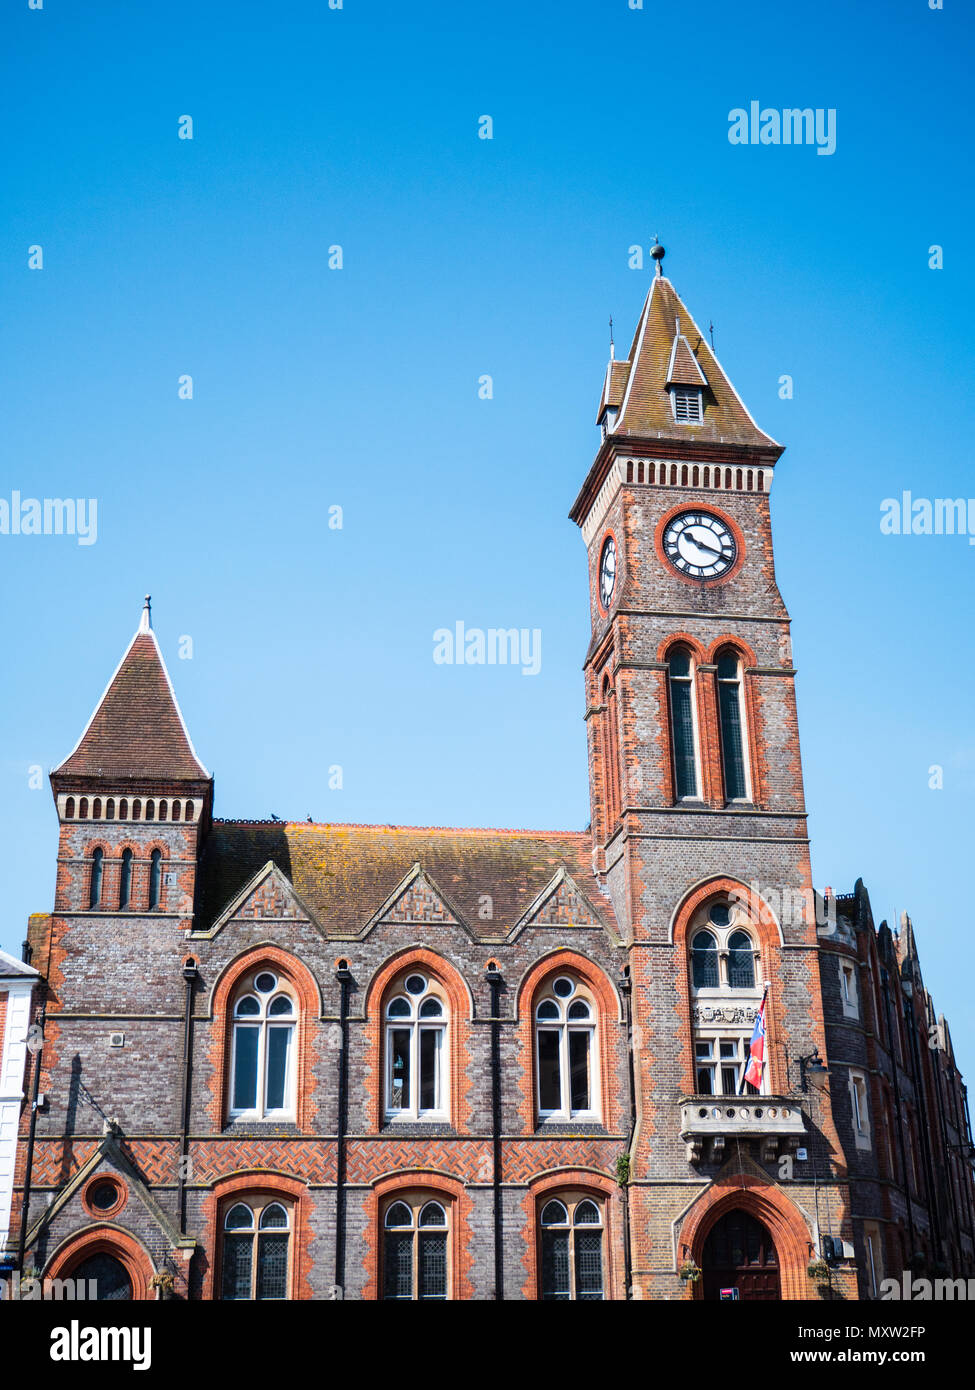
357,388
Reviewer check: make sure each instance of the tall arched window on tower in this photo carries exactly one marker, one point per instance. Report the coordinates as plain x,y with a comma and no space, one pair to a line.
416,1049
125,880
155,878
725,997
682,723
262,1081
733,737
611,756
95,883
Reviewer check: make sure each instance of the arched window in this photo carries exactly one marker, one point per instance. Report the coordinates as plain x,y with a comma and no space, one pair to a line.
136,809
704,961
732,727
110,809
262,1083
83,808
150,810
723,960
416,1048
125,880
95,886
155,878
96,810
741,961
682,723
611,757
415,1255
162,810
69,808
256,1250
565,1046
572,1230
123,809
188,811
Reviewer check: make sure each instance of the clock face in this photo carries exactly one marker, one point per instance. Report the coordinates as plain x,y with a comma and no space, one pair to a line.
607,572
700,545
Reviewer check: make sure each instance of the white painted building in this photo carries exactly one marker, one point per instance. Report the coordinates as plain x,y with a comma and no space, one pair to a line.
16,986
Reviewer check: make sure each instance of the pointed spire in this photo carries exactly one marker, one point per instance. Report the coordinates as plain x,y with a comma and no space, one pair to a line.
136,730
670,350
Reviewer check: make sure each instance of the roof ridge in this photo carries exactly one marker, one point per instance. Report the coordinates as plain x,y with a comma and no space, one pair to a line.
388,825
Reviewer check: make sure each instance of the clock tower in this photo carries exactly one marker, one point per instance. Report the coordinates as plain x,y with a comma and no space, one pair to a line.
698,814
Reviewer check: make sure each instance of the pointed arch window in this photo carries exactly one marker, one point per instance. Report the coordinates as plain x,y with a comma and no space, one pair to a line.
741,961
262,1081
565,1048
682,724
155,878
611,756
733,739
415,1253
95,884
417,1019
125,880
256,1251
572,1230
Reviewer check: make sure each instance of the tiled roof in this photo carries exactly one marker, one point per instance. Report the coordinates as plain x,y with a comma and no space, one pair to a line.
646,408
136,730
345,873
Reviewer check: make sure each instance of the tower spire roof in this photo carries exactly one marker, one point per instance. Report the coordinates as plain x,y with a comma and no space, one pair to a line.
669,349
136,730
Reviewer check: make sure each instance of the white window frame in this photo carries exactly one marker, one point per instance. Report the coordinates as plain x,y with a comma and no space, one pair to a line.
416,1204
714,1037
570,1202
691,679
564,1027
257,1207
848,989
415,1025
860,1109
262,1023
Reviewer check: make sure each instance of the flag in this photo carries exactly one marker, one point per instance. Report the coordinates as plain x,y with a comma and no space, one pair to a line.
756,1050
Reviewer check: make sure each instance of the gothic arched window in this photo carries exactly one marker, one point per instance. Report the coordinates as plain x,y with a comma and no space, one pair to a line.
256,1250
155,878
125,880
682,732
733,759
415,1255
741,961
95,884
572,1250
565,1048
704,961
262,1084
417,1019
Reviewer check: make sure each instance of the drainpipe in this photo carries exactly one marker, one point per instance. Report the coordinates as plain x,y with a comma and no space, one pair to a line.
885,985
36,1051
948,1157
626,990
344,976
494,979
190,974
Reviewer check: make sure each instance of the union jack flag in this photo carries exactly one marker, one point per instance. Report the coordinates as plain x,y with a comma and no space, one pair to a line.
756,1049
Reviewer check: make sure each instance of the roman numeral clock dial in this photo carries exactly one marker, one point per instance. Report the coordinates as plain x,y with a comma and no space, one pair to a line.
700,545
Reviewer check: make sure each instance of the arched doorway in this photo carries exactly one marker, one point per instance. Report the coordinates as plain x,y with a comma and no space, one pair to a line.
740,1254
110,1277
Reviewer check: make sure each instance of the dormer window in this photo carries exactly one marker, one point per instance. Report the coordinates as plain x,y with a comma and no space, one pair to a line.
687,404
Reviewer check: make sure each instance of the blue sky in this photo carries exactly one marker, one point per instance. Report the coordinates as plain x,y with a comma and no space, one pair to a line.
358,388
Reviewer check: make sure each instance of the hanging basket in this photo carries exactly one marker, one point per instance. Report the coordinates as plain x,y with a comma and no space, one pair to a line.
689,1272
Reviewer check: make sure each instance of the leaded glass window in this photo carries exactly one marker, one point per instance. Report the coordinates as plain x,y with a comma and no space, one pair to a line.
704,961
741,961
256,1251
415,1253
572,1250
95,885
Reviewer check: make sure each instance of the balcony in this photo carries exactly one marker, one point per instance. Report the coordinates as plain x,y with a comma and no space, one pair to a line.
777,1121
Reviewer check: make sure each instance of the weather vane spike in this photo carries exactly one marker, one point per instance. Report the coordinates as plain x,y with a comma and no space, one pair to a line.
711,331
612,346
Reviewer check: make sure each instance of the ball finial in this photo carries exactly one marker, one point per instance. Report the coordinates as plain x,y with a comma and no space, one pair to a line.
658,253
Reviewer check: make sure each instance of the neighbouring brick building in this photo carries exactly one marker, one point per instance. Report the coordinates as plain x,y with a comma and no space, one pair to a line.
288,1060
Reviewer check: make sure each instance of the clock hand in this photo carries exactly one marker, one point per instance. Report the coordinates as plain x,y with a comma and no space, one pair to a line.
701,546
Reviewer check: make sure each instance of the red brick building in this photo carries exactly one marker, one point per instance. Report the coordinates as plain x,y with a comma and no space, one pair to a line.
287,1060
